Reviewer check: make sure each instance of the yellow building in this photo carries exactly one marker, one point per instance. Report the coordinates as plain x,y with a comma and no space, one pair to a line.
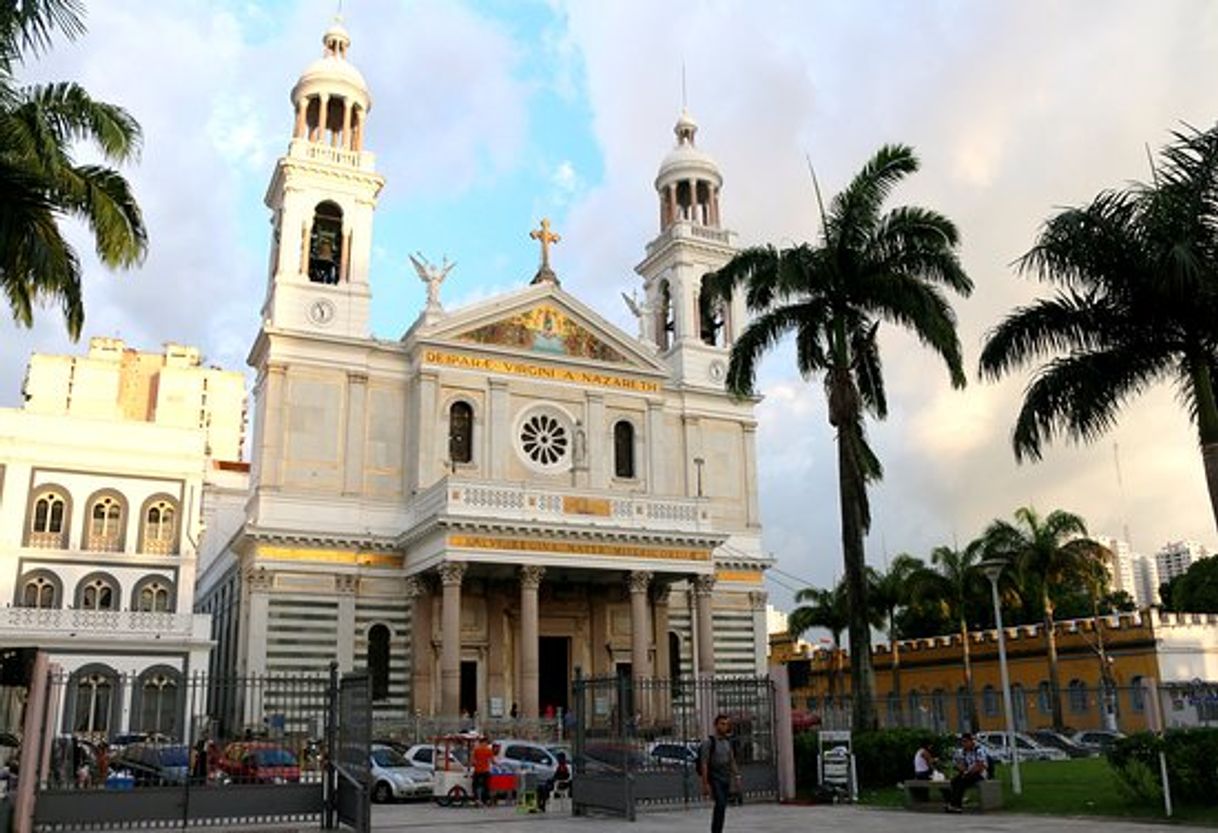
1175,650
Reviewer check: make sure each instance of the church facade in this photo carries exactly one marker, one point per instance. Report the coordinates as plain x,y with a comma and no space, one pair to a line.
513,490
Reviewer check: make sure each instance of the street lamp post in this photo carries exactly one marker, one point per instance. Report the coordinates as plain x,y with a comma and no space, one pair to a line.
992,567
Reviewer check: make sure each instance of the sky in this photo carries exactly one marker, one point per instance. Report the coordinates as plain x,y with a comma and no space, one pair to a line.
489,115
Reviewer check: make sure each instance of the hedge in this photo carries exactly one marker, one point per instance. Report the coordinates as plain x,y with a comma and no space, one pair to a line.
882,757
1192,764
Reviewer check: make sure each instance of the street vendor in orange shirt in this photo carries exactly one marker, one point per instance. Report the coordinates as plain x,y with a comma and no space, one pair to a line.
483,756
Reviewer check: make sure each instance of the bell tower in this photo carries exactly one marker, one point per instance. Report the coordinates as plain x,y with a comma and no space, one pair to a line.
322,197
692,334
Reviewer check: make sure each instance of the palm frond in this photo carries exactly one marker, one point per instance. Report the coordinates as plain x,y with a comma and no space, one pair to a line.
759,337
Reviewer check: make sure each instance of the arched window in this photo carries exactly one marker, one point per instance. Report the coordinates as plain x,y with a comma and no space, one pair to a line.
665,324
1137,697
153,594
326,243
1044,697
49,519
378,661
105,522
915,705
97,591
894,709
710,317
938,709
1019,703
461,432
159,525
95,706
158,701
964,710
989,701
1078,696
39,588
623,449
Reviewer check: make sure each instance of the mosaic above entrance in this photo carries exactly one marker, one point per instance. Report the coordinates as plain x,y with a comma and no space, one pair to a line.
544,329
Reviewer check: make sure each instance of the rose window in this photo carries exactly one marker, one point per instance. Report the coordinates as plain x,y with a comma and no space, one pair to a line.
544,439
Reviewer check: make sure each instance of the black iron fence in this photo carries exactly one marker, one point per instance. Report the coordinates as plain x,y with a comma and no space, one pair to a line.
636,741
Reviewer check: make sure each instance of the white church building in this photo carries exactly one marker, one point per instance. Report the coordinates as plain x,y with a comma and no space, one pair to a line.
511,490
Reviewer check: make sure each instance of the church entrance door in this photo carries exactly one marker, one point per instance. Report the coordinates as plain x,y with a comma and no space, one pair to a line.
554,684
469,687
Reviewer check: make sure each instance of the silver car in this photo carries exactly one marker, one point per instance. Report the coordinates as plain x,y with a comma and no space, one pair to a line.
1029,750
393,777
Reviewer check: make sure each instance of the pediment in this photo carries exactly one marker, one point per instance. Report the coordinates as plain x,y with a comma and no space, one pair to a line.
543,322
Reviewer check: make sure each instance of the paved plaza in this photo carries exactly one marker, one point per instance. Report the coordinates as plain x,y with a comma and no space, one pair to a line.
758,818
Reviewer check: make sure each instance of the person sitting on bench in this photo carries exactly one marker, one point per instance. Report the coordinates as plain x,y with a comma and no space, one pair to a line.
972,763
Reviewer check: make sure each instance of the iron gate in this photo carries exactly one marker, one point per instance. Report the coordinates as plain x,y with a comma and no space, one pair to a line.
636,741
352,804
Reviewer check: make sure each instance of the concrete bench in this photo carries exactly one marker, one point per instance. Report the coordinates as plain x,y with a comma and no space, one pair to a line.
931,795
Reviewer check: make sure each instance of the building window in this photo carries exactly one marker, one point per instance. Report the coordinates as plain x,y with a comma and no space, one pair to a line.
915,704
623,449
545,440
894,709
95,691
461,432
378,661
1078,696
1137,697
1044,698
159,691
104,527
97,591
159,526
48,524
964,710
326,243
989,701
1020,705
153,595
41,589
938,709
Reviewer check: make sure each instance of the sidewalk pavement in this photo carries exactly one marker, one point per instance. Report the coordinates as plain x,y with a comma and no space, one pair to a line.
754,818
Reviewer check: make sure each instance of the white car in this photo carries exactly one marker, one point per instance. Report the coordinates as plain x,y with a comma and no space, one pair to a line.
1029,750
673,752
526,756
393,777
1096,740
423,756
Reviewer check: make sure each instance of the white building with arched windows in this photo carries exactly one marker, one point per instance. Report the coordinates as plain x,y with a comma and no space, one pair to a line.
102,475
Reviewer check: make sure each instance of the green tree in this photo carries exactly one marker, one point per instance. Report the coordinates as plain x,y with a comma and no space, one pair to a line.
40,126
954,582
1045,553
1138,275
821,608
867,266
1196,591
890,593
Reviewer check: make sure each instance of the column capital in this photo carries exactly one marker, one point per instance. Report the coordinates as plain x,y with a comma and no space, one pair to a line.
704,585
530,576
452,573
495,383
758,599
417,586
659,592
357,377
639,581
346,584
258,579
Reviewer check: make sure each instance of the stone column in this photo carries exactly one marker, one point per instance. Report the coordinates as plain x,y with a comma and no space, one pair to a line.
659,602
302,109
357,129
598,461
640,624
428,429
257,588
655,448
271,433
323,113
353,453
753,516
451,574
704,586
346,137
757,602
498,430
530,580
418,590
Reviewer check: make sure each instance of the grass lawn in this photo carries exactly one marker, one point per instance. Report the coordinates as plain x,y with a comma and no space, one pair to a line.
1082,787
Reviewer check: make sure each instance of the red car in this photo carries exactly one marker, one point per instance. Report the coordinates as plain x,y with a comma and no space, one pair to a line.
259,762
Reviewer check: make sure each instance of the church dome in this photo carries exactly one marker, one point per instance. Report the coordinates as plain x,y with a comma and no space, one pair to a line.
686,161
332,73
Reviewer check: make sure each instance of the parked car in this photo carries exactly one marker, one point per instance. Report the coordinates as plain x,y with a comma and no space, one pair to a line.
259,762
153,765
1029,749
393,776
526,756
1056,740
673,752
423,755
1097,740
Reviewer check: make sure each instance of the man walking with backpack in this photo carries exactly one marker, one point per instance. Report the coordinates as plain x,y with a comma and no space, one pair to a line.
717,766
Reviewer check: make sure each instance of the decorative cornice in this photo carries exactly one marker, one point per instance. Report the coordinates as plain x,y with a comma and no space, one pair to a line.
417,587
257,579
346,584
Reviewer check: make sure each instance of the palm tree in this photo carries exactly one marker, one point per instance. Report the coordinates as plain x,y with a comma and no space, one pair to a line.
1137,271
891,591
1046,552
953,582
1097,579
866,267
820,608
39,128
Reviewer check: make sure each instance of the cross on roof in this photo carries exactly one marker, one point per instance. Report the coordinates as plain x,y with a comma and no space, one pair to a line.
546,237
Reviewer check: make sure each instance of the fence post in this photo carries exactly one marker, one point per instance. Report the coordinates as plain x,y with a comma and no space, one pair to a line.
35,704
784,741
1155,723
329,771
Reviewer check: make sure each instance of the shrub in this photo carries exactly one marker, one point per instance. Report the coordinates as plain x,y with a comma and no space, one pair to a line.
1192,764
805,761
885,756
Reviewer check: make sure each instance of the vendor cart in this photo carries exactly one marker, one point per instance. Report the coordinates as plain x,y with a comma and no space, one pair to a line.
453,782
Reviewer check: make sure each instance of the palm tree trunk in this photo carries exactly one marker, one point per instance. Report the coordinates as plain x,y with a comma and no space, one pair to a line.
1055,689
851,486
971,699
1207,427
